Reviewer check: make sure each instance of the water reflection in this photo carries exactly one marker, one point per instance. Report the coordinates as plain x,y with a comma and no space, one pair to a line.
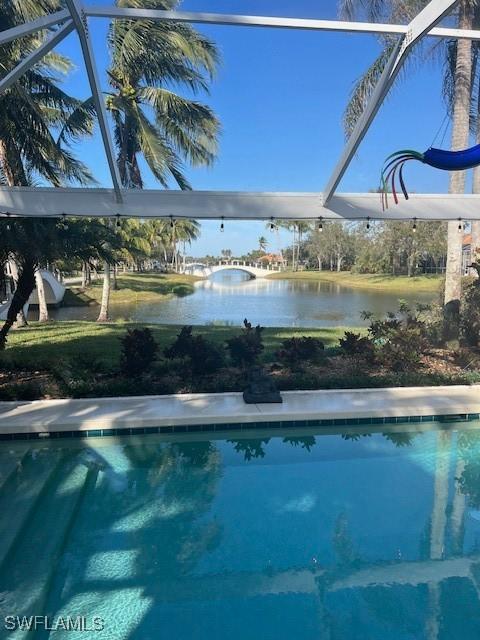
360,535
229,297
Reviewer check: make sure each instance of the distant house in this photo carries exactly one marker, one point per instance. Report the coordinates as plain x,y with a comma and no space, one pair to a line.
272,259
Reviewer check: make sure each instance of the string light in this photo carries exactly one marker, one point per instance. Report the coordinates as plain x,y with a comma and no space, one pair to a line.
414,225
460,225
320,224
222,226
368,223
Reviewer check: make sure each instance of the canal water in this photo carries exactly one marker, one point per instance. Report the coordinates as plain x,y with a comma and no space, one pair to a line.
229,297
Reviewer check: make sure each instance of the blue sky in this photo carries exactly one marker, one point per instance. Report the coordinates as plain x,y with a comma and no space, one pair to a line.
280,95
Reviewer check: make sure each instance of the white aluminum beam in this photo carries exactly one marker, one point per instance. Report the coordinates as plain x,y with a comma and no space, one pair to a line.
204,205
273,22
29,61
79,18
418,27
241,20
32,27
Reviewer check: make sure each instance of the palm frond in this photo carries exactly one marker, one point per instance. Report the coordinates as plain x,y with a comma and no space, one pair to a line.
79,123
159,156
364,88
190,126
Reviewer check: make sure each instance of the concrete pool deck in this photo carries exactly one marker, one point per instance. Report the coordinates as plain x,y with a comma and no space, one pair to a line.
210,412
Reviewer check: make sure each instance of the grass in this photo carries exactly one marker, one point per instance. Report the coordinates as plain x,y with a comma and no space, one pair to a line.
45,346
134,288
394,284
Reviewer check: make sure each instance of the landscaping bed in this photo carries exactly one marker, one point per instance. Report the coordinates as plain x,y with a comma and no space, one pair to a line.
83,359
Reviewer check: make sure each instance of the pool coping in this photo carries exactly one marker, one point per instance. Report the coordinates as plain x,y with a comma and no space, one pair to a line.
188,413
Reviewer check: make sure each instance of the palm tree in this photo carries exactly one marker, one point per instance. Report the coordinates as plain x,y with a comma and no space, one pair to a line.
462,84
21,320
148,60
81,239
299,228
285,224
262,244
42,301
459,58
137,242
185,232
103,314
29,110
226,253
33,106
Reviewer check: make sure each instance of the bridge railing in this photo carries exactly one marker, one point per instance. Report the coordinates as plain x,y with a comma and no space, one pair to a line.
255,265
234,263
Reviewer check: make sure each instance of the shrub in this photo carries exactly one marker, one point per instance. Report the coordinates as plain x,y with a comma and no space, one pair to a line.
202,355
353,344
246,348
115,387
399,340
30,390
403,348
182,290
432,318
295,351
138,351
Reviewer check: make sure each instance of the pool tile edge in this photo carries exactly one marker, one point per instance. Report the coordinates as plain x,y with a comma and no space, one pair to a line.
95,417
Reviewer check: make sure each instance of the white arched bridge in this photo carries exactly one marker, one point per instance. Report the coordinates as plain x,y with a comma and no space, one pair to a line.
254,269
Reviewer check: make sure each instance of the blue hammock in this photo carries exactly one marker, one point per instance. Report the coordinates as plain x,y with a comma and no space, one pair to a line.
438,158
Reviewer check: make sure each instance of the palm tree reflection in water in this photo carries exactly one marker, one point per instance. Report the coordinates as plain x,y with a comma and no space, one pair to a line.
164,510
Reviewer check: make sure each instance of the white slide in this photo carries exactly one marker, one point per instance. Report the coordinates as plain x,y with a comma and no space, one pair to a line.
54,292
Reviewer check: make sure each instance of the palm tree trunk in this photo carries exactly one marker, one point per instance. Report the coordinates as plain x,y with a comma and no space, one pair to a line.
103,316
475,243
475,225
294,266
21,320
42,301
10,174
440,495
84,275
25,286
460,135
115,283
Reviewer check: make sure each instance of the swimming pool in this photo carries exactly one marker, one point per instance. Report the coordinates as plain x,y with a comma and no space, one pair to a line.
276,536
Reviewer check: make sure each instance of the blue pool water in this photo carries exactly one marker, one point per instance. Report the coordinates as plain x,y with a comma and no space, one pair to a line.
365,537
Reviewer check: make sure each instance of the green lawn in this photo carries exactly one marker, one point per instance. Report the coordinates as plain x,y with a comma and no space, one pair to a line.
395,284
133,288
46,346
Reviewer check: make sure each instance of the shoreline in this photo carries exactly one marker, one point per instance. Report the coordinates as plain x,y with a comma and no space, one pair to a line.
423,284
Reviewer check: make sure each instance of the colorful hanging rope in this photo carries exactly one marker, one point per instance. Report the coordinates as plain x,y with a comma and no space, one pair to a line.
437,158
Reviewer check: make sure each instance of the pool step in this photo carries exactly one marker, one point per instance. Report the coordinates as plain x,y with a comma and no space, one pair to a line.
19,497
28,572
10,465
55,589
